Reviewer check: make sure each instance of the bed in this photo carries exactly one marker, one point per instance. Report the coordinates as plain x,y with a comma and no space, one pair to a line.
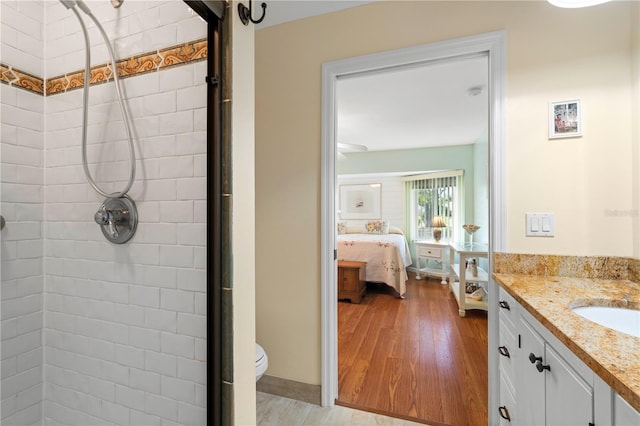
387,257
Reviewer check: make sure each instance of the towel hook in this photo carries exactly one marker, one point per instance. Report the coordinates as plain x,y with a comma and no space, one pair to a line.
246,14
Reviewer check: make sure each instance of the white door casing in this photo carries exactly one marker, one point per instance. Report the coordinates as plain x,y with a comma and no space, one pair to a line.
494,46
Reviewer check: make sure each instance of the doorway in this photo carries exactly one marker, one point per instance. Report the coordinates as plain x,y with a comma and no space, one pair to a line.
491,44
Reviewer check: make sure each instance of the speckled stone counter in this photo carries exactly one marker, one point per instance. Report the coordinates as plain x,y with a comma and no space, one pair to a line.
612,355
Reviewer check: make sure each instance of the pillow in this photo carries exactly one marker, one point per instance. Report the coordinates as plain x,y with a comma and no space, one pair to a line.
376,227
395,230
351,229
342,228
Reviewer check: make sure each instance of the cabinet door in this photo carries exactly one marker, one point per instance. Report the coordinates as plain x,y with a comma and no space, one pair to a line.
351,279
530,382
569,399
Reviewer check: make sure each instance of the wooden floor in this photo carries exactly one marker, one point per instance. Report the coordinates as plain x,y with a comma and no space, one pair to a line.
413,358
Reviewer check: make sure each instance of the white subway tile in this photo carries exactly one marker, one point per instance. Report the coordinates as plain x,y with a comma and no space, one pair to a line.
130,315
201,303
159,38
177,300
177,389
171,12
102,389
176,256
200,211
87,365
191,29
192,188
129,397
115,413
114,372
144,296
191,143
192,370
192,279
142,419
161,233
131,357
176,211
160,276
161,406
28,360
201,350
191,98
158,190
163,364
176,167
144,338
192,234
175,344
177,122
191,415
144,380
149,211
30,322
176,78
162,320
200,120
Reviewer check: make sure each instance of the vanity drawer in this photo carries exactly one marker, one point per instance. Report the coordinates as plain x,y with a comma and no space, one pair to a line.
507,350
435,253
507,306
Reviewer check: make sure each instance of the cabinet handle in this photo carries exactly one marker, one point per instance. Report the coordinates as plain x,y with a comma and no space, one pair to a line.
505,305
534,358
542,367
504,351
504,413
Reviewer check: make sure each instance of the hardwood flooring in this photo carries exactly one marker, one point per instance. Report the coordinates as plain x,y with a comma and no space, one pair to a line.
413,358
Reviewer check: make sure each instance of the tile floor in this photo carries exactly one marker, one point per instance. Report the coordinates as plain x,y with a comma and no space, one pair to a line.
276,410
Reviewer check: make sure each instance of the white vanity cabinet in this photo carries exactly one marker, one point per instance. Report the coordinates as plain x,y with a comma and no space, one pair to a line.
550,389
543,383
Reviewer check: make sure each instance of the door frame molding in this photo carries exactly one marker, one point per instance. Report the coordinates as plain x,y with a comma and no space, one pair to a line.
494,45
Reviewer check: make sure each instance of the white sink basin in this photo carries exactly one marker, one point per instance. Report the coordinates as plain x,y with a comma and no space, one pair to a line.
619,319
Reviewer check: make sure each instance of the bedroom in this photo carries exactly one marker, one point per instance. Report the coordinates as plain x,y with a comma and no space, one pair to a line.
398,130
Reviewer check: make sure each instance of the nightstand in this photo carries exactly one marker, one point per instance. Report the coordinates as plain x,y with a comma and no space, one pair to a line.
430,251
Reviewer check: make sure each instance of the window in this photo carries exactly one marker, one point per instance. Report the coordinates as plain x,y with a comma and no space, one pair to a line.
434,195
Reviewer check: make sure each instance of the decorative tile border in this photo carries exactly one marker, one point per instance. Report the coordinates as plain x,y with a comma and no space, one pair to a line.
14,77
601,267
135,65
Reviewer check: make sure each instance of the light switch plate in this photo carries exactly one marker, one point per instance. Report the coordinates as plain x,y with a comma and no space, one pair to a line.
540,225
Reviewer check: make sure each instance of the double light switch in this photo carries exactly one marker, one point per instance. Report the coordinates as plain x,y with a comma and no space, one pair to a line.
541,225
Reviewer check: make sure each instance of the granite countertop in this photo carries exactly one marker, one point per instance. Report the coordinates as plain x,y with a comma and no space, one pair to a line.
612,355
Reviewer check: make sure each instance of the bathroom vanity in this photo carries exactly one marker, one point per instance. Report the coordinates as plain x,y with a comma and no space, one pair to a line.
558,368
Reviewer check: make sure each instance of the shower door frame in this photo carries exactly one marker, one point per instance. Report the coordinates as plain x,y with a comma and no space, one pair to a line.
218,230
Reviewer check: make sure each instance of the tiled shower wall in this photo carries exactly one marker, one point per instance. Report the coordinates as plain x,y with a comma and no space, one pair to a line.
124,325
21,196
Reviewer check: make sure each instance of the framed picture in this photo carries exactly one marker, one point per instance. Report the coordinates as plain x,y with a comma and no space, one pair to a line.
565,119
360,201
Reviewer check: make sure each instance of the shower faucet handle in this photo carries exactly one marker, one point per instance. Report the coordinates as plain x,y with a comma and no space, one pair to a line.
107,218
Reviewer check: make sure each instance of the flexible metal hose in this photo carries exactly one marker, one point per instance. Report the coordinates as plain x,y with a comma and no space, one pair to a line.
125,116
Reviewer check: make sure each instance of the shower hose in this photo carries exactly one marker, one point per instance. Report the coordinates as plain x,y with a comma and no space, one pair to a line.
125,116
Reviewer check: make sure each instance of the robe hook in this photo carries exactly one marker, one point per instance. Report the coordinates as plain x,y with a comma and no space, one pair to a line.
246,15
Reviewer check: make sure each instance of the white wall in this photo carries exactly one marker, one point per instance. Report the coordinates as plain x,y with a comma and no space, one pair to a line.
21,193
481,190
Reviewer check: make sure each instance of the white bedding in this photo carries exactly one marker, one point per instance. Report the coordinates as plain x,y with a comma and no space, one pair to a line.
387,257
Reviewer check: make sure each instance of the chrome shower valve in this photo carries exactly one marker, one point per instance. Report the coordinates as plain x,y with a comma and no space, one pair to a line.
118,218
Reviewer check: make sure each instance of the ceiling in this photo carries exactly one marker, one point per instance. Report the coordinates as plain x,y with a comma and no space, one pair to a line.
423,106
427,106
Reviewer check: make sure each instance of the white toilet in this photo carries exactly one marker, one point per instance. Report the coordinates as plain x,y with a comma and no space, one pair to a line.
262,362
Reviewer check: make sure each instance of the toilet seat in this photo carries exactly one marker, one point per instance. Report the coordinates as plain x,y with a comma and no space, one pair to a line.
262,362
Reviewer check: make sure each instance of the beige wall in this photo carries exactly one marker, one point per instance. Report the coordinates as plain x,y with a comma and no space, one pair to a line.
635,159
243,223
552,55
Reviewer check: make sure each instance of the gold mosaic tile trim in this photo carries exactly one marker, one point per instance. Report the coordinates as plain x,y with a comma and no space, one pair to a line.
147,62
599,267
14,77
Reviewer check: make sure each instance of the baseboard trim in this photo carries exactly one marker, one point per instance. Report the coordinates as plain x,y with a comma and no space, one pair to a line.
290,389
